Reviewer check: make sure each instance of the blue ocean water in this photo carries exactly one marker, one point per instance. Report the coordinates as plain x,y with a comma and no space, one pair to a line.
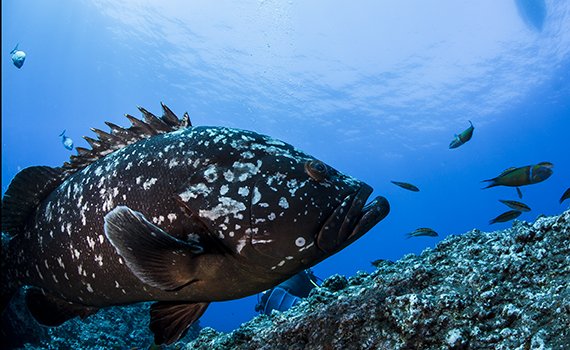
374,89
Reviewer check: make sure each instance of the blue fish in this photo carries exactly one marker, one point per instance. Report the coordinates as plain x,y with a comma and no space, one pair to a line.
67,142
18,57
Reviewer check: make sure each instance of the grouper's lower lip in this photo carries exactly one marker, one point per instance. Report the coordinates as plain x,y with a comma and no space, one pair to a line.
351,219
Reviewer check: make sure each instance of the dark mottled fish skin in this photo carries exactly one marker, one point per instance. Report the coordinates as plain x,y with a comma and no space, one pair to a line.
406,186
234,212
507,216
515,205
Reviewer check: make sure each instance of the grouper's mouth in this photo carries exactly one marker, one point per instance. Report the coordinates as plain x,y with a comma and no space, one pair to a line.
351,219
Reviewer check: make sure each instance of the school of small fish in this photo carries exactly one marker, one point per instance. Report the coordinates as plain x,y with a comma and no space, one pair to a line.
512,177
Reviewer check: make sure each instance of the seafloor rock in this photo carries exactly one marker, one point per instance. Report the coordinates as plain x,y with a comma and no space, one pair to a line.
505,289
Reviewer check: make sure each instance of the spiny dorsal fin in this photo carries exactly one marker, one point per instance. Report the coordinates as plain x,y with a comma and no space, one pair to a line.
28,188
34,184
120,137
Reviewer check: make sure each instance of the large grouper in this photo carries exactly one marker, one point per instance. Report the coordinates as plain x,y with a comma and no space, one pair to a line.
178,214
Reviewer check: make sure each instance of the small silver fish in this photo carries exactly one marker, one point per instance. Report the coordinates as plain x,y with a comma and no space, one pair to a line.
515,205
66,141
422,232
507,216
18,57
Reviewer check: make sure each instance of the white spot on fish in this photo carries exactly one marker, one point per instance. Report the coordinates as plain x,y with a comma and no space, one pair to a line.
256,196
241,243
171,217
283,203
149,183
261,241
243,191
272,216
173,163
210,174
91,242
194,191
300,241
225,207
39,273
89,288
99,259
224,190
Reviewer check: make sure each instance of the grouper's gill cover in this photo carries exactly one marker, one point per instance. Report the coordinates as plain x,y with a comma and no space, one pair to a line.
182,215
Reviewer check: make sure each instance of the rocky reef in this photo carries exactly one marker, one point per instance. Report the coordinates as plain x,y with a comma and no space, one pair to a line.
507,289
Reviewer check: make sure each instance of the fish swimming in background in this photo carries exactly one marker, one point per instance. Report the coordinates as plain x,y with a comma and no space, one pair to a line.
463,137
565,196
422,232
177,214
515,205
519,193
66,141
18,57
526,175
504,217
546,164
378,262
406,185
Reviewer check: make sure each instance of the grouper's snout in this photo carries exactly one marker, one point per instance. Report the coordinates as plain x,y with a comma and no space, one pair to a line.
351,219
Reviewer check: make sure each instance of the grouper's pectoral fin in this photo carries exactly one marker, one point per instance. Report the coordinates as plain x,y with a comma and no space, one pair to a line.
154,256
169,321
52,311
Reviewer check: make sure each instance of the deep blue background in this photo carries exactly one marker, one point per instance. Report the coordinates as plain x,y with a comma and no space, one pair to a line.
376,89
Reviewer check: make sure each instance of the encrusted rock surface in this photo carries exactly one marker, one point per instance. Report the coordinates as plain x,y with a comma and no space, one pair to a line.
506,289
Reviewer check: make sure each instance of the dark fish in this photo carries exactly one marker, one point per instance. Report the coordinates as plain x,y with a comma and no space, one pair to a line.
406,185
463,137
519,193
66,141
504,217
515,205
18,57
379,262
164,211
422,232
565,196
526,175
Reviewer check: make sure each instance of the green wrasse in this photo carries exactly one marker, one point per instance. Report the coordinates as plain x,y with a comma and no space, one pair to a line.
463,137
526,175
515,205
406,185
565,196
504,217
422,232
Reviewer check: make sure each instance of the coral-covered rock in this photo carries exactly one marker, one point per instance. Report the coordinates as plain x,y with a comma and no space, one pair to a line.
506,289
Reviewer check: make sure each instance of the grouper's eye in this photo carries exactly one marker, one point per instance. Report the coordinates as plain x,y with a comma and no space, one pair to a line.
316,169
